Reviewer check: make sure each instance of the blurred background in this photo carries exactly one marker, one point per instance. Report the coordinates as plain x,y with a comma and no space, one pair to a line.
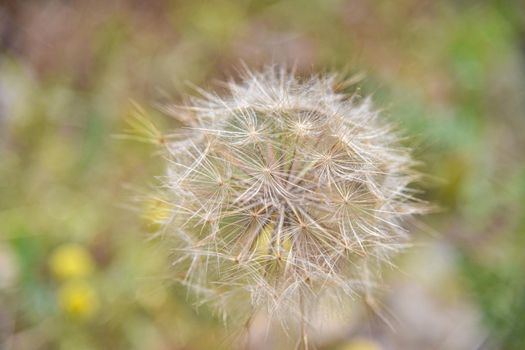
79,267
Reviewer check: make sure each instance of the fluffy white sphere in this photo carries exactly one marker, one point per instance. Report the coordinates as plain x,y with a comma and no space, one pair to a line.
284,192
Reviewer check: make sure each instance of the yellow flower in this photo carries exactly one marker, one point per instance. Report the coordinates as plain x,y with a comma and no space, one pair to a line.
78,299
156,212
360,344
71,261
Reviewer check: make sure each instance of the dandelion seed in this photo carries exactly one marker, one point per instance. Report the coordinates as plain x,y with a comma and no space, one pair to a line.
285,192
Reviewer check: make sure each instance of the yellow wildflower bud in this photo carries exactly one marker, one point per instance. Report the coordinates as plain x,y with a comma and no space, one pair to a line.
71,261
78,299
155,213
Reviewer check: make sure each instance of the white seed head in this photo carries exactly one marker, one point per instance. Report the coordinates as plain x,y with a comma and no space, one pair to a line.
284,192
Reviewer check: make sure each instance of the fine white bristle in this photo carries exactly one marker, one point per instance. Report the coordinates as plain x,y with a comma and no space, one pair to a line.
283,192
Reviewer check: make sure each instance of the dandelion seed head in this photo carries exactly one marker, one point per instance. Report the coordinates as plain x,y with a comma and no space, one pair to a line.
283,192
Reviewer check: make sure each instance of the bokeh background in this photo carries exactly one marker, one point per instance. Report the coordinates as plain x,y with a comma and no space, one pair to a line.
79,266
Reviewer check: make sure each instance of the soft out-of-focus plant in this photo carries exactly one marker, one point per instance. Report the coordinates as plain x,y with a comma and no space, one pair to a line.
284,194
78,299
70,261
72,265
